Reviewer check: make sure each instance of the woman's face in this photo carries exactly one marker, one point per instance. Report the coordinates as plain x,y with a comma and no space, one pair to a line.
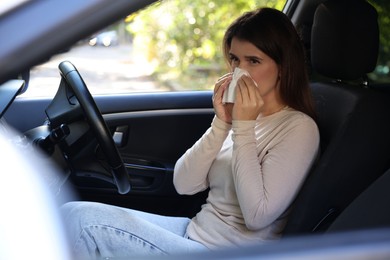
263,70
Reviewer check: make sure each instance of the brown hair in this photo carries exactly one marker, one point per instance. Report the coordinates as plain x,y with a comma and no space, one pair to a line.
272,32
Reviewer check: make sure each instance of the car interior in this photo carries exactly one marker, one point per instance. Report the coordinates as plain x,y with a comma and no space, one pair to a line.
121,149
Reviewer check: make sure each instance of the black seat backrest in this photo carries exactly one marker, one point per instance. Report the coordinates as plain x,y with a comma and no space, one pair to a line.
354,121
371,209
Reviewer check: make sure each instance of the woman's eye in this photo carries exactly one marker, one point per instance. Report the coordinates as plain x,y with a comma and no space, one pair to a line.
254,61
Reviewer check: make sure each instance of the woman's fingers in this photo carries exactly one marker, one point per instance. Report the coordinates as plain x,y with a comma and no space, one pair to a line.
248,100
222,111
221,85
247,89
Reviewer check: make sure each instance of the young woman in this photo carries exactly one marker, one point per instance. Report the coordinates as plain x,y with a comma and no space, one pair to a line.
253,158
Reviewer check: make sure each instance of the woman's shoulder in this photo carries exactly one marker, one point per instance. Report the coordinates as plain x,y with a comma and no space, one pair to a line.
296,114
298,119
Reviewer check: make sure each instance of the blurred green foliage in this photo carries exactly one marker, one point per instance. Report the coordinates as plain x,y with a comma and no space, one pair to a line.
182,39
381,73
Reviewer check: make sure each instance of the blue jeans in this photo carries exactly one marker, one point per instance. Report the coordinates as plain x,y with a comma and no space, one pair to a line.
101,230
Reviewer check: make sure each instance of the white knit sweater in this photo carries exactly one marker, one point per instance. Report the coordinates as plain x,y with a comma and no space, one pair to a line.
253,169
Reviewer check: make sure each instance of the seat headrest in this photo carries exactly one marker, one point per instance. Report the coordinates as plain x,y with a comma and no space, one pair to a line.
345,39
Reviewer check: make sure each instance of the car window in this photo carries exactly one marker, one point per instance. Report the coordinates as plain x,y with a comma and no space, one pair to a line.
173,45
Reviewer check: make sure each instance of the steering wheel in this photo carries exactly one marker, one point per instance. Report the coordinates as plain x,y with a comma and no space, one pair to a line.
99,127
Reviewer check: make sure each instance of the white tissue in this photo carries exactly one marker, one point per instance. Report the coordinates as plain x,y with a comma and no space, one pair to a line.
230,93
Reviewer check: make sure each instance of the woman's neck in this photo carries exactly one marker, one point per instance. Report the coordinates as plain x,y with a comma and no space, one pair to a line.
273,110
272,105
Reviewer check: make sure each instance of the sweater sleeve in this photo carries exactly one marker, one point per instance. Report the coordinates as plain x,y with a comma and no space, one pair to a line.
191,169
266,186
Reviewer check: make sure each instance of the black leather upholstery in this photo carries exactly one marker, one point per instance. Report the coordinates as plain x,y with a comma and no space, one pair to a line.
369,210
354,123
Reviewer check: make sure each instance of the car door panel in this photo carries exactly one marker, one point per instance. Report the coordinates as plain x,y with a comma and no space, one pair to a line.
152,141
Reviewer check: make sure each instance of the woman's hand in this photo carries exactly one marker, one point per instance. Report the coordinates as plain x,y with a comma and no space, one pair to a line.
248,102
222,111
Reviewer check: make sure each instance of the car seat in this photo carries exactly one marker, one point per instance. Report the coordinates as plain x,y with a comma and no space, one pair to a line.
370,210
354,121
